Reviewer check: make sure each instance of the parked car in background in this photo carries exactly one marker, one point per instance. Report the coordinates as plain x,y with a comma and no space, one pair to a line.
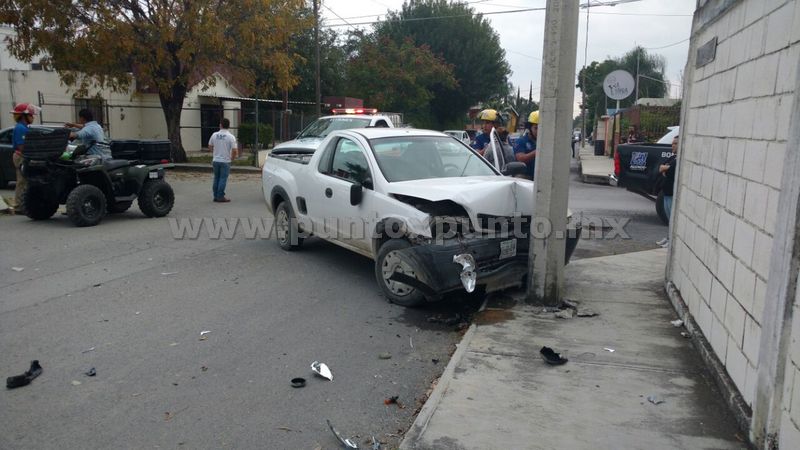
7,171
636,168
433,214
461,135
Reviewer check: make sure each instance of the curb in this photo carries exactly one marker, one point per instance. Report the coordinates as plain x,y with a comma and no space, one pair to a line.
732,397
432,404
206,168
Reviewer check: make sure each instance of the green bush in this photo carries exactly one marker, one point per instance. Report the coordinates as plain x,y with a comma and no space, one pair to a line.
247,134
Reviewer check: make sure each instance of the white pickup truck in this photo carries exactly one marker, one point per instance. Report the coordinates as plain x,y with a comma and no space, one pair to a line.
432,213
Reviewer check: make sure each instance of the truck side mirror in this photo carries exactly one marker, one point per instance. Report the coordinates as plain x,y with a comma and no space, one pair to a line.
356,193
515,168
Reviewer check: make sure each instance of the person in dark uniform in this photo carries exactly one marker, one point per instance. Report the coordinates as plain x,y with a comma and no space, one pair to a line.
525,149
667,170
490,119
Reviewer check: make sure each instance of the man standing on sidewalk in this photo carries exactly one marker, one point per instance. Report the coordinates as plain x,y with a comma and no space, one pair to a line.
23,116
223,146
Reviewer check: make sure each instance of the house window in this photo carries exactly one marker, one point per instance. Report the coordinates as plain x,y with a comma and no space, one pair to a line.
95,105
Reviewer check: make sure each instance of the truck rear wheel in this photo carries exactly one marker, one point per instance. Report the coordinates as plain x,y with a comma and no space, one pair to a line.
662,213
86,205
387,263
286,228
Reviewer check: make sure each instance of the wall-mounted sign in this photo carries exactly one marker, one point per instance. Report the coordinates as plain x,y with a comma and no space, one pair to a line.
706,53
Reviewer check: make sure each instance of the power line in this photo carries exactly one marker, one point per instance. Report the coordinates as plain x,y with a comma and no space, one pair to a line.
523,54
642,14
670,45
416,19
337,15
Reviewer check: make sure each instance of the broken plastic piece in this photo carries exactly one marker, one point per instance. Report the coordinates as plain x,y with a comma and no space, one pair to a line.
654,399
322,370
203,333
346,442
91,349
166,274
375,444
586,312
26,378
551,357
91,372
686,334
385,355
468,276
565,313
676,323
610,350
17,269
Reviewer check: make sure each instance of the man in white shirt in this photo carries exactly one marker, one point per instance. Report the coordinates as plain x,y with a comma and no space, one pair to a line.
223,146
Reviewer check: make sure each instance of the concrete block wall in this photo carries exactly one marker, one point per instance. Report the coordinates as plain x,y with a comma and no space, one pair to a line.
734,136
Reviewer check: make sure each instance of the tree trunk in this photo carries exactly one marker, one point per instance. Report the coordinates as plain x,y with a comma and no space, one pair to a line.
172,106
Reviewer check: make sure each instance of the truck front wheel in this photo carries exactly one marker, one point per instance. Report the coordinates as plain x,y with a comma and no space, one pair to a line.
286,228
387,263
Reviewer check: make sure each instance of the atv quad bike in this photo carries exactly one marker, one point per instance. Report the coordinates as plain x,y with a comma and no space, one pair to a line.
88,186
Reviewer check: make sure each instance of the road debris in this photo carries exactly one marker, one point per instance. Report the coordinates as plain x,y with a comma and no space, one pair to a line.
447,320
411,341
17,269
166,274
298,382
375,444
322,370
173,344
346,442
551,357
24,379
91,349
393,401
170,415
586,312
435,360
91,372
203,335
654,399
610,350
385,355
565,313
204,368
686,334
289,429
76,383
676,323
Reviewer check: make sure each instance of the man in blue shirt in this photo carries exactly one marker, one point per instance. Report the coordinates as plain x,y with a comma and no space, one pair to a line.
525,148
23,116
90,133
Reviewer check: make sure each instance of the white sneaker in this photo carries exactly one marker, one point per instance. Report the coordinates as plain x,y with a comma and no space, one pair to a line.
665,244
663,241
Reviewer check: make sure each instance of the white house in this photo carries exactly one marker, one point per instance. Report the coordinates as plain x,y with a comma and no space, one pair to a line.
128,115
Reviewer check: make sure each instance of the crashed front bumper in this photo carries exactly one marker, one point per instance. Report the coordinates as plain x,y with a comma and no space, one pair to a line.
442,267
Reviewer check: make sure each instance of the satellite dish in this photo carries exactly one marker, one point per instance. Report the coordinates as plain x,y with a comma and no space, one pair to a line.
618,84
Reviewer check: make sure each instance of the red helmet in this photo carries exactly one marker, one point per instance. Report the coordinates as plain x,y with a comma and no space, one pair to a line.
25,108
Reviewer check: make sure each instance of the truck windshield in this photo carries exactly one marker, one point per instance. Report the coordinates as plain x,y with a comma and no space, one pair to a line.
418,157
324,126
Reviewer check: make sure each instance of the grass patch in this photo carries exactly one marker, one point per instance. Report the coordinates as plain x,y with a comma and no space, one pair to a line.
206,159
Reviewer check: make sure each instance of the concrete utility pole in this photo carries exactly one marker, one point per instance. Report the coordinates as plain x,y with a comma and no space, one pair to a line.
547,253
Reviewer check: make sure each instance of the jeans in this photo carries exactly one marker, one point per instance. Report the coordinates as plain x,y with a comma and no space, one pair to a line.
221,171
22,183
668,205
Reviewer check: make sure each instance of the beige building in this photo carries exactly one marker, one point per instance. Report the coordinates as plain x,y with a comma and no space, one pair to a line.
128,115
735,255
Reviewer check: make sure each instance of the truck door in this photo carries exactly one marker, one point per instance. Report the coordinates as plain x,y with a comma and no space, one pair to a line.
345,164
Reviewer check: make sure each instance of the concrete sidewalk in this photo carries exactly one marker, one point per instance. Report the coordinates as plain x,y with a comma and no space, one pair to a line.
497,393
594,169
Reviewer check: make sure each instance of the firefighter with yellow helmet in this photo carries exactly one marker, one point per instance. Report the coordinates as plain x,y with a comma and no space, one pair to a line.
525,148
490,119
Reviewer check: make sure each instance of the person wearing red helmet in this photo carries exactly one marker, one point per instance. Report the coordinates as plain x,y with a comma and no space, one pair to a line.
23,116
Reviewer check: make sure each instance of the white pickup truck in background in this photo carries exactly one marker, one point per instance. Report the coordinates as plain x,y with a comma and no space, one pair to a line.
432,213
316,131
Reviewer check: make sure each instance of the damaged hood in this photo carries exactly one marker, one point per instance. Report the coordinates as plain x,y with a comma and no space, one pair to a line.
304,143
492,195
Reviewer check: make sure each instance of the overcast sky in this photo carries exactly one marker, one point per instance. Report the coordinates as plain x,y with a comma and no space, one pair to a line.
612,31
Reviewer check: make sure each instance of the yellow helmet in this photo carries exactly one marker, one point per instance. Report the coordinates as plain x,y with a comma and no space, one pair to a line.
489,115
534,117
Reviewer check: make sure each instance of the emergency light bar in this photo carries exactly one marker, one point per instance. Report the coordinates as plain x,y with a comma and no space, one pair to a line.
354,110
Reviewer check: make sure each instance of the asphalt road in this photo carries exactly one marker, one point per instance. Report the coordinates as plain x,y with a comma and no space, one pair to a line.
140,299
130,300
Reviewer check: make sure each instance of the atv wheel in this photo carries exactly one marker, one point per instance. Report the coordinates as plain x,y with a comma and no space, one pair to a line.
86,205
387,263
286,228
119,207
38,206
156,198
